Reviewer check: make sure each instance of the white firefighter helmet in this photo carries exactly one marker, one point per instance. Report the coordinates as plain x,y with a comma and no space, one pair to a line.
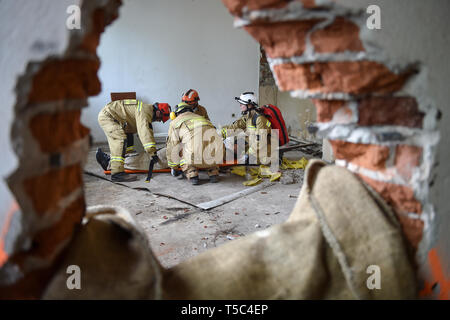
247,98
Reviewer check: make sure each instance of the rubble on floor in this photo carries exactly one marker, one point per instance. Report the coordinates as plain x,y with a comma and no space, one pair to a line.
176,227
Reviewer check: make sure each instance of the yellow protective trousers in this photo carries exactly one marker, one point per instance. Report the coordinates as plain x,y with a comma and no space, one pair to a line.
116,140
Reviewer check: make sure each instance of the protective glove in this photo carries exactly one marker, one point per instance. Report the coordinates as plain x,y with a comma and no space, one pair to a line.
223,131
151,151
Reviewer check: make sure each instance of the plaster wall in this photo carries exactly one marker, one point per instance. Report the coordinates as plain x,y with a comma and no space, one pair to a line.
159,49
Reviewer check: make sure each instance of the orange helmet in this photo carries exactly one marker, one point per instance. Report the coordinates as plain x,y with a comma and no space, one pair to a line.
165,110
190,97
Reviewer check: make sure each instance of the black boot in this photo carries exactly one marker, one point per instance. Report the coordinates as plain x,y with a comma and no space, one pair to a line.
123,177
102,159
214,179
175,173
181,176
195,181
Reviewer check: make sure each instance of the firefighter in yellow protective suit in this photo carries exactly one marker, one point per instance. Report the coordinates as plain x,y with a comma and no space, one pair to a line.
191,97
193,144
256,128
134,160
131,148
120,117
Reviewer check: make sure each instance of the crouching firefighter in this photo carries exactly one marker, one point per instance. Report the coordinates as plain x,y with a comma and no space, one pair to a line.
128,116
256,127
193,144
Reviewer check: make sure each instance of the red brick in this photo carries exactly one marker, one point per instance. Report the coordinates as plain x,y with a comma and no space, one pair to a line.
236,6
48,189
406,159
282,39
368,156
412,229
358,77
327,108
30,287
342,35
57,130
401,198
390,111
65,79
45,244
309,4
92,39
47,241
291,76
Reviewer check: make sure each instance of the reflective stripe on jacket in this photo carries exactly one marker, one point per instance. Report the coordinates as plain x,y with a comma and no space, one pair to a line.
135,117
193,140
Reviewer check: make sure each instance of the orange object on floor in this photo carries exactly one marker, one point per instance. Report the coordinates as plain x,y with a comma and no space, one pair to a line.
437,277
229,164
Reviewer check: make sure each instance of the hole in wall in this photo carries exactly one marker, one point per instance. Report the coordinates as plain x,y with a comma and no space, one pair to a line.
75,169
159,64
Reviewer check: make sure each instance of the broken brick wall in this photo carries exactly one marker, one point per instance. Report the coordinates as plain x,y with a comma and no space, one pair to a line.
59,73
370,91
329,59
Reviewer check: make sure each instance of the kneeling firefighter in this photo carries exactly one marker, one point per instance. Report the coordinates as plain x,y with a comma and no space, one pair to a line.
256,128
128,116
193,144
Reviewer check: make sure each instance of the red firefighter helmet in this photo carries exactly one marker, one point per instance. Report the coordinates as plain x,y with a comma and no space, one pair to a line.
190,97
165,110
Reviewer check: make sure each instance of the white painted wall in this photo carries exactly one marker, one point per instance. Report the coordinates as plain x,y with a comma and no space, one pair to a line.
161,48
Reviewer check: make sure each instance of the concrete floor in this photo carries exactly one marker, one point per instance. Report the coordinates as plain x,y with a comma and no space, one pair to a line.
178,230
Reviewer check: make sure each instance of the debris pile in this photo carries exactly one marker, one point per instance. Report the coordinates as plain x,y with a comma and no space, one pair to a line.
255,175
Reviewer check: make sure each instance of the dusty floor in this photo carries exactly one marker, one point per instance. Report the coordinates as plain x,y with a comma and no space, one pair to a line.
177,230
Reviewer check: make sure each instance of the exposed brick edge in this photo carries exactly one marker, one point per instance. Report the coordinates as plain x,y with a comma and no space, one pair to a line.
344,123
35,264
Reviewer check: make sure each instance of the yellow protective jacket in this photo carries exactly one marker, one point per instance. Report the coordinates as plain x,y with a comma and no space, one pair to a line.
135,117
245,123
201,111
197,139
